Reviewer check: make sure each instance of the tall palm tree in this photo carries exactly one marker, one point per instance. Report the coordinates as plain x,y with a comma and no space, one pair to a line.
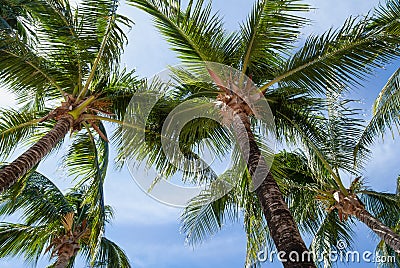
263,50
67,80
309,186
56,223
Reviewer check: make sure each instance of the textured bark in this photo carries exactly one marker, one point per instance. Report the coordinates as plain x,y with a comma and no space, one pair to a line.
384,232
281,224
67,250
20,166
62,261
351,205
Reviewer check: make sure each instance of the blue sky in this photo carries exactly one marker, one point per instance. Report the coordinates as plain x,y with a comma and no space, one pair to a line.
148,230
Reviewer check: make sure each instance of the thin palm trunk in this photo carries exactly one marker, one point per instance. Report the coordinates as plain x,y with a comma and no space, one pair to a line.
25,162
351,205
385,233
281,224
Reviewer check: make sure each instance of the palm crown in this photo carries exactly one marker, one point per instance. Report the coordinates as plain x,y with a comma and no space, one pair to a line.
66,78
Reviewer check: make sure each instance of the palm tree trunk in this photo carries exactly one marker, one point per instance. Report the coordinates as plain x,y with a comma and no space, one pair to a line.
20,166
281,224
67,251
62,261
385,233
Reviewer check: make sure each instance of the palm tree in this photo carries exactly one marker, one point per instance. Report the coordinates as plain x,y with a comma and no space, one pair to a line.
334,152
56,223
67,80
263,50
318,212
310,186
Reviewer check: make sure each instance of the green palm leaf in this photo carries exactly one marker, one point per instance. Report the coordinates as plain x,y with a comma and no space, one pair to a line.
14,17
26,72
195,33
206,213
22,240
111,255
270,31
387,16
16,127
338,57
326,239
40,201
43,206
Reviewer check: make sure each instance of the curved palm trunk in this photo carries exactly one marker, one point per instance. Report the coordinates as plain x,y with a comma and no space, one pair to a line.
385,233
351,205
281,224
20,166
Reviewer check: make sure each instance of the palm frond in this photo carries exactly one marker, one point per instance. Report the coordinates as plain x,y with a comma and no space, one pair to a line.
256,229
14,17
87,160
269,32
16,126
206,213
387,253
22,240
386,16
343,129
103,26
119,89
383,206
328,135
338,57
24,71
144,142
40,201
326,239
300,187
195,33
110,255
